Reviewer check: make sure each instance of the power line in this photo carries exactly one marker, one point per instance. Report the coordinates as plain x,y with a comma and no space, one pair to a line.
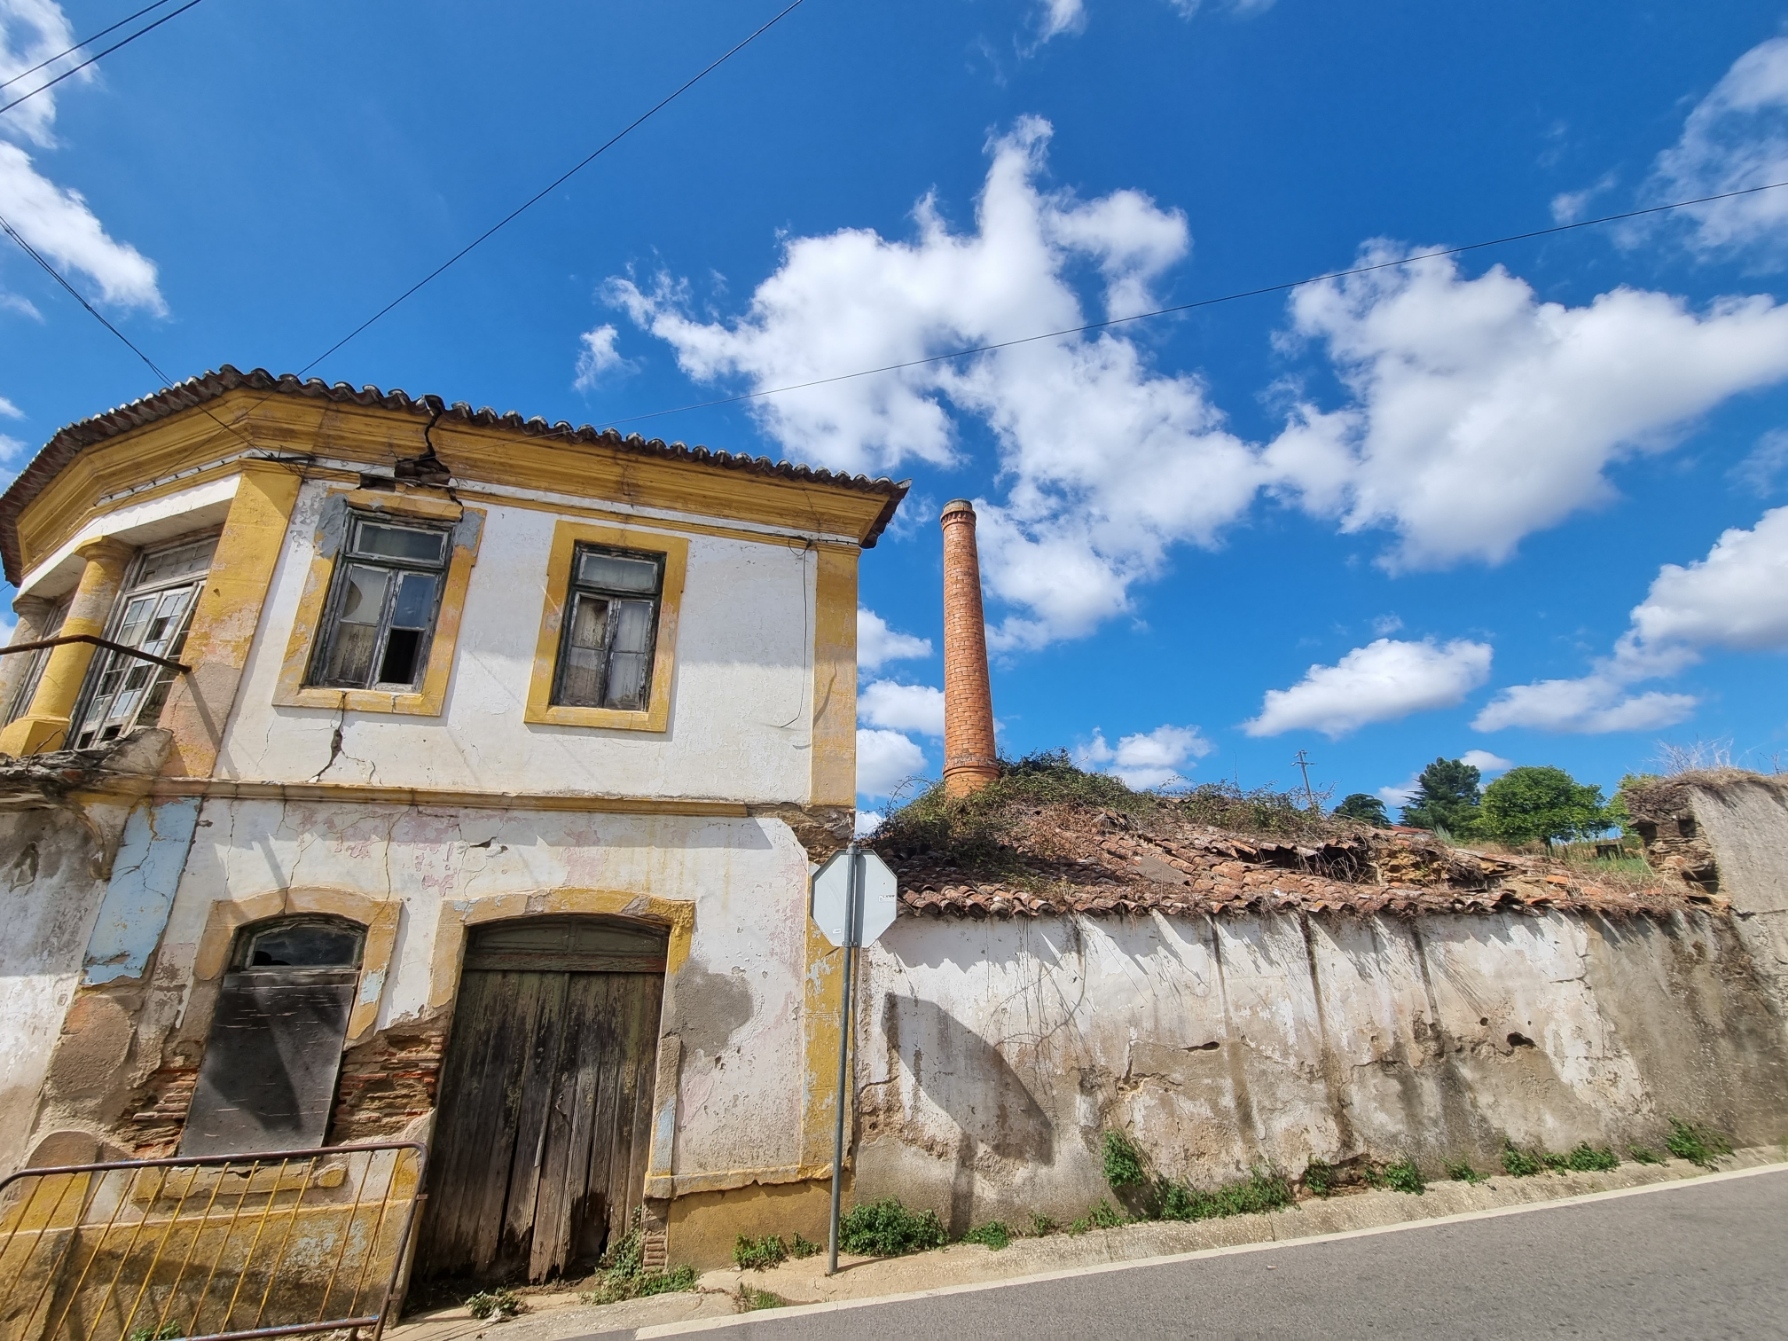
85,41
75,293
76,69
557,182
1201,302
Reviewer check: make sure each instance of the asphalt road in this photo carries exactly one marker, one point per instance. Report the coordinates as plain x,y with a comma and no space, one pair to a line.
1697,1260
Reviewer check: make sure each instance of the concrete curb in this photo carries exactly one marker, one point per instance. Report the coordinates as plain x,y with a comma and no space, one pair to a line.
834,1306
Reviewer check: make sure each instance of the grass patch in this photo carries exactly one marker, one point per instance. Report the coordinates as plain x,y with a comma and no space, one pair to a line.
1462,1172
1519,1163
168,1331
1640,1154
1403,1176
1261,1191
1123,1162
1321,1178
1105,1215
488,1304
1041,1224
995,1234
1695,1143
751,1254
887,1229
750,1299
622,1274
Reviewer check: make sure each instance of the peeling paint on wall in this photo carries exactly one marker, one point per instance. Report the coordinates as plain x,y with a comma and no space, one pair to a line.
145,876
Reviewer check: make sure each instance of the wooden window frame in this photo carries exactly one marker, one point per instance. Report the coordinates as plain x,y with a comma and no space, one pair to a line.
673,552
310,627
351,556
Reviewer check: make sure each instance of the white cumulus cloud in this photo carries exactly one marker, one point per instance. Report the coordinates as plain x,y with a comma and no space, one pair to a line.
885,759
1736,598
1379,682
1735,138
31,31
1486,762
878,644
902,707
1108,461
1149,759
597,357
1481,414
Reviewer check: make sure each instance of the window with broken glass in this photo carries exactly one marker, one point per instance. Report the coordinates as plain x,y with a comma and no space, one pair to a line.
381,613
152,615
610,629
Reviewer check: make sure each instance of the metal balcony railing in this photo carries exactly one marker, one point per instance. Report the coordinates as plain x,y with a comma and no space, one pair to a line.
219,1248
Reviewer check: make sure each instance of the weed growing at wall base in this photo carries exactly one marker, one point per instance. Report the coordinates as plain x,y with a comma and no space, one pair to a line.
1123,1162
995,1234
750,1299
1320,1178
1641,1155
751,1254
1518,1163
1462,1172
887,1229
1261,1191
1695,1143
624,1275
487,1304
1403,1176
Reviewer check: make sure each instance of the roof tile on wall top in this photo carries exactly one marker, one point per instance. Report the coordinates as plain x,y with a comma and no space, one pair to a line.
195,392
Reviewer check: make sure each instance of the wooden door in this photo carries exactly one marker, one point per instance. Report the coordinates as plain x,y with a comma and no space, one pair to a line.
544,1114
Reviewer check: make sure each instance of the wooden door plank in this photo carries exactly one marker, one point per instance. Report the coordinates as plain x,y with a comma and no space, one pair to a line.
644,1050
637,1055
591,994
595,1230
568,1124
534,1099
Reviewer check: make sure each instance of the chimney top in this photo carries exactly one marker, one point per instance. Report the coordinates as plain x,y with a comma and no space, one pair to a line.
957,505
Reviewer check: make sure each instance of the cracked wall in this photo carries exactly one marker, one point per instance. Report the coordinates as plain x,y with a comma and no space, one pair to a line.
995,1053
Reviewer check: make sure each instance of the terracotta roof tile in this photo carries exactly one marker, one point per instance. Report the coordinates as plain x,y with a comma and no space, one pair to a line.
70,441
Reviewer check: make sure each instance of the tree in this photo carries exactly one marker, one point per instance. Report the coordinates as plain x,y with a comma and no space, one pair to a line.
1446,797
1545,805
1367,809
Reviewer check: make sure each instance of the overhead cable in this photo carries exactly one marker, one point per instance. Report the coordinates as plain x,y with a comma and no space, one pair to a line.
76,69
1282,287
84,42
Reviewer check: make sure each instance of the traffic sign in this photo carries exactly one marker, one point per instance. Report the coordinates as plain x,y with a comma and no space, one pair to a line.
879,895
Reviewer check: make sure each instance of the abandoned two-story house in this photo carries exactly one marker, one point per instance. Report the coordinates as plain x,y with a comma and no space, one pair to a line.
391,768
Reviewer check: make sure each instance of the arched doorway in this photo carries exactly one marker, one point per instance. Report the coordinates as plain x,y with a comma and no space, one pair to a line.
543,1120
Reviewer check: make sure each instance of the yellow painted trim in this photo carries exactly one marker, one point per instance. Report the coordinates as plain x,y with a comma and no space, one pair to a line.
346,793
227,615
380,917
822,997
567,535
431,699
834,763
44,725
683,1184
368,434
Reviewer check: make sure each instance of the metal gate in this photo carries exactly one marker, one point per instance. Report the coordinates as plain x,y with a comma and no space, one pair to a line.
210,1249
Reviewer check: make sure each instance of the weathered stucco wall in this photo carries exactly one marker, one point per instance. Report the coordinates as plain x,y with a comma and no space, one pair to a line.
1745,819
740,727
994,1053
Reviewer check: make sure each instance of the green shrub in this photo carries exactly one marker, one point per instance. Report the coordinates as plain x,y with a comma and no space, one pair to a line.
1255,1194
1587,1158
1403,1176
1695,1143
622,1274
1518,1163
751,1299
759,1254
1320,1177
1041,1224
1641,1155
491,1304
1105,1215
802,1248
1123,1162
1080,1226
887,1229
995,1234
1462,1172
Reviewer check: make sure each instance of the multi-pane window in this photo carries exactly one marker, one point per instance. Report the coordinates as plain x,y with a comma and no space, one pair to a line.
152,615
382,606
27,686
610,629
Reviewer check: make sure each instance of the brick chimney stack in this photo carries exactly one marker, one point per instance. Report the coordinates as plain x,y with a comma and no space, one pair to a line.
969,758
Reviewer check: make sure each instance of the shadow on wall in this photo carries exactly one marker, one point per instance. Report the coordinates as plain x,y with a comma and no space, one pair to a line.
968,1078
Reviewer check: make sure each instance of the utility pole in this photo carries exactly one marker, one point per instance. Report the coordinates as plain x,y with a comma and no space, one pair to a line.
1309,795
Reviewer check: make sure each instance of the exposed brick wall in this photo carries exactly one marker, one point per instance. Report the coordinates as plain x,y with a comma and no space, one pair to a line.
970,759
387,1083
159,1116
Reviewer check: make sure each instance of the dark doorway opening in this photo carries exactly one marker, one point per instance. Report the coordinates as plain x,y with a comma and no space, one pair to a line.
543,1122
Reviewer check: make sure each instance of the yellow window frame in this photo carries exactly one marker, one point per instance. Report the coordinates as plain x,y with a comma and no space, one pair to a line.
655,716
430,699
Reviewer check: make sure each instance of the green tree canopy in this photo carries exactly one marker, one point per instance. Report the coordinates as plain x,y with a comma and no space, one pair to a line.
1547,805
1365,808
1446,797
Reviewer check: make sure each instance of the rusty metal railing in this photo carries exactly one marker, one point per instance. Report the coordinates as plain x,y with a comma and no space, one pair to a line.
218,1248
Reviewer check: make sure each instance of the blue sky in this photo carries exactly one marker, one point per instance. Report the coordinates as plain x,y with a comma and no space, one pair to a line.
1527,502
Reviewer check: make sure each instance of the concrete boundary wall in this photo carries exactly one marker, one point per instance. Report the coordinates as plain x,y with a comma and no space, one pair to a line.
995,1053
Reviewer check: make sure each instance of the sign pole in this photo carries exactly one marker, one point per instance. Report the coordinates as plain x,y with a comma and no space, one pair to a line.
853,926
